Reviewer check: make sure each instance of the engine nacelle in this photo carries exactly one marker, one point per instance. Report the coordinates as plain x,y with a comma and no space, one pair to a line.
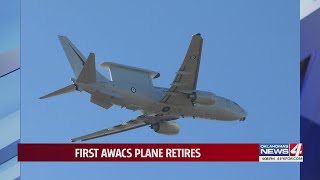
203,98
167,128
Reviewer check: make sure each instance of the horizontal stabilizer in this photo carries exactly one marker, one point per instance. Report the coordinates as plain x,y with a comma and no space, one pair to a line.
64,90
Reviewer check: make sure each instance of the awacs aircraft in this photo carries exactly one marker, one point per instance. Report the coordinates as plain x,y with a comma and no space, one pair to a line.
160,106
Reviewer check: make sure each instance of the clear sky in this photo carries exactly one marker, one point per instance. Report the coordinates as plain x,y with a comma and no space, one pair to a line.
10,24
250,55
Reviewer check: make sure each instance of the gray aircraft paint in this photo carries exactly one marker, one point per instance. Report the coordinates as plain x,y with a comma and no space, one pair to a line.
158,105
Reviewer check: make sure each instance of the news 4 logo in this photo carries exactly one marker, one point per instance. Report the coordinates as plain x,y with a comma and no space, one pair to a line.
281,149
296,149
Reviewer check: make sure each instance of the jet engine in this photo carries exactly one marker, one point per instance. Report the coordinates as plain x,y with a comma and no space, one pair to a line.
203,98
167,128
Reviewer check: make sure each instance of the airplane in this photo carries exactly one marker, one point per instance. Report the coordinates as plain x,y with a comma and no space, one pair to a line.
132,88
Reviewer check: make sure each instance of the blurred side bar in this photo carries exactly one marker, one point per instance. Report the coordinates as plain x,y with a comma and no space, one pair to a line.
9,114
9,88
310,95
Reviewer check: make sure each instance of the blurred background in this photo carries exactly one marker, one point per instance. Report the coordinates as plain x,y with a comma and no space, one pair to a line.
9,88
310,88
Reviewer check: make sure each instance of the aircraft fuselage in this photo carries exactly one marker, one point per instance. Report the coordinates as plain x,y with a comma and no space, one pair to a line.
147,99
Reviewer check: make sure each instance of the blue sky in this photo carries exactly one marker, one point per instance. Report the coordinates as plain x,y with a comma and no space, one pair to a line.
10,25
250,55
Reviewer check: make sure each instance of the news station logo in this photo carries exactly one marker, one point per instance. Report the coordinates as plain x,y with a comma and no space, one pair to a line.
281,152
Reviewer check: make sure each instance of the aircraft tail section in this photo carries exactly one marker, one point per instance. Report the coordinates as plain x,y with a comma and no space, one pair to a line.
76,59
88,72
84,70
86,76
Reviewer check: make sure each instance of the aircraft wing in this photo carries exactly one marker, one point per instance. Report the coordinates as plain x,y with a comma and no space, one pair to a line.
140,121
186,78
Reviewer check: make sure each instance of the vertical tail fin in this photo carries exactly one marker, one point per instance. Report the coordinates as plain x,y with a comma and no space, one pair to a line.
76,58
88,73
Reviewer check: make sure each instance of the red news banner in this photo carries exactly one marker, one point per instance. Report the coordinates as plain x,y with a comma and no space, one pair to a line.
139,152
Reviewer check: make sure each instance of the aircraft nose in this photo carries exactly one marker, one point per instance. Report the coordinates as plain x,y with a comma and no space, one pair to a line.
243,114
